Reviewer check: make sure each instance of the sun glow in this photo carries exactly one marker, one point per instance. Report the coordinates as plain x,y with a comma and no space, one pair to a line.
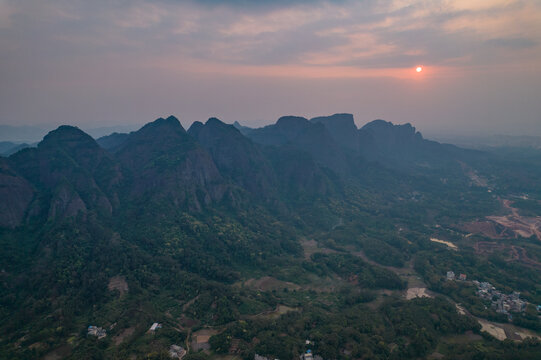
419,69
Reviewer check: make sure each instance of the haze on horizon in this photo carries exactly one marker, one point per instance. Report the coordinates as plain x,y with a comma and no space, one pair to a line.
101,63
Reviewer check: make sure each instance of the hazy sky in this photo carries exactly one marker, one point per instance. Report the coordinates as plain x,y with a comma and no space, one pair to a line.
98,63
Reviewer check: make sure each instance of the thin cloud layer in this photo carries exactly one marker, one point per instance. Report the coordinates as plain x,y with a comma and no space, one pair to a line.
288,32
63,45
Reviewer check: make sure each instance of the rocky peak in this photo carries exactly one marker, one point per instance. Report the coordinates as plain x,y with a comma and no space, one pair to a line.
161,126
67,137
341,127
292,124
386,128
215,122
165,161
235,155
343,120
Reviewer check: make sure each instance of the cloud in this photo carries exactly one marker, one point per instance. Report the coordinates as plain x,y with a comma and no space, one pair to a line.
390,33
512,43
6,14
55,51
142,16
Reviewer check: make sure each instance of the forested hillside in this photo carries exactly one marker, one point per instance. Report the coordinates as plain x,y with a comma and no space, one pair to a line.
304,234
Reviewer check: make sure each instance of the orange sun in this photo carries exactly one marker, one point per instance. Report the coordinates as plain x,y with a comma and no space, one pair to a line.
419,69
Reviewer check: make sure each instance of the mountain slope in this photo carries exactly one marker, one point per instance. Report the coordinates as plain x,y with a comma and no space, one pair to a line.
342,128
263,245
72,173
236,156
16,193
385,142
299,133
164,162
113,141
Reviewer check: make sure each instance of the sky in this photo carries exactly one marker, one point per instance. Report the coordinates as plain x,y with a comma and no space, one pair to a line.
106,63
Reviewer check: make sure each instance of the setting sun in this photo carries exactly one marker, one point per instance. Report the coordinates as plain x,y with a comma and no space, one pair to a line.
419,69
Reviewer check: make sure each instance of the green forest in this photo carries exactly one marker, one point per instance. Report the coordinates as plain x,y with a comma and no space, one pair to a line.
322,261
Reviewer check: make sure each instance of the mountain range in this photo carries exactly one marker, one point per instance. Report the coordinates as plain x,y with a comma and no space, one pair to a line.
70,173
246,241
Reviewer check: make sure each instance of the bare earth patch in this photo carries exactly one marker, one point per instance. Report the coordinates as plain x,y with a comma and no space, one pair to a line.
118,283
515,253
311,247
460,309
492,329
520,226
200,339
59,353
276,313
465,338
489,229
123,335
38,346
474,176
501,331
526,334
268,283
448,243
507,226
416,292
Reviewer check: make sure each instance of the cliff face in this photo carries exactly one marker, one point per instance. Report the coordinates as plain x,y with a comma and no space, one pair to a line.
70,174
311,137
342,129
16,194
399,145
163,161
236,156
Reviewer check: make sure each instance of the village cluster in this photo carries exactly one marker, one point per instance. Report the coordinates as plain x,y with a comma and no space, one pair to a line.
308,355
175,351
501,303
99,332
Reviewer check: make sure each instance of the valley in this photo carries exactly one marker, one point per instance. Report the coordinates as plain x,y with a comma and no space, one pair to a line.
270,180
226,242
